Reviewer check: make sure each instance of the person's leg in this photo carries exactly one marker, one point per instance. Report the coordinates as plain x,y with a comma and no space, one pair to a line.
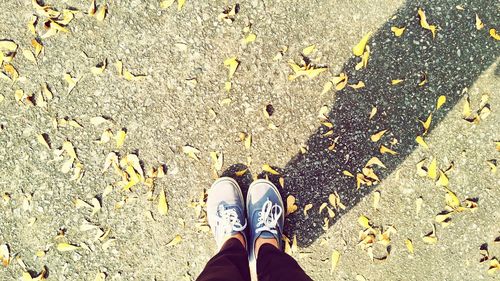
266,219
226,217
230,264
274,264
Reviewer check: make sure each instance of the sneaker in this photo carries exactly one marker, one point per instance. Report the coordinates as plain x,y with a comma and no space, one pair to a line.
265,214
225,210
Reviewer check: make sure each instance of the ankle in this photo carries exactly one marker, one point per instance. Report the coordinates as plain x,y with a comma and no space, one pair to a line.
238,236
261,241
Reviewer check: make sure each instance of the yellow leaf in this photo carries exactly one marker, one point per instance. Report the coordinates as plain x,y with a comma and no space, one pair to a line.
376,137
396,81
398,31
232,64
430,239
376,199
70,81
8,46
384,150
409,246
38,47
269,169
441,100
26,276
427,123
166,3
249,38
74,124
120,138
421,142
162,203
100,15
29,56
323,206
425,24
99,68
282,182
307,208
290,205
5,254
373,112
335,260
360,47
176,240
96,206
129,76
493,165
340,81
494,266
451,199
364,222
494,34
180,4
375,161
364,59
308,50
479,23
432,170
359,85
241,173
65,247
11,70
43,140
68,147
442,216
466,111
217,160
347,173
32,24
314,72
119,67
248,141
443,179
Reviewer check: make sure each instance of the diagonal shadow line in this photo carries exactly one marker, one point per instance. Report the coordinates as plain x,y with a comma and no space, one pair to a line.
452,61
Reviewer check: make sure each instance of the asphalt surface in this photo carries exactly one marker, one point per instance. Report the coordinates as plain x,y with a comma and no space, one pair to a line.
181,101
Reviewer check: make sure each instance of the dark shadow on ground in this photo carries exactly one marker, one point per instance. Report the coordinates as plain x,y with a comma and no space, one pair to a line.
452,61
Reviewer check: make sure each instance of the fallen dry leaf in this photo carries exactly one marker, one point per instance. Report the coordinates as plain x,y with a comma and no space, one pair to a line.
441,100
360,47
65,247
232,64
176,240
376,137
425,24
409,246
162,203
269,169
421,142
494,34
290,205
398,31
334,260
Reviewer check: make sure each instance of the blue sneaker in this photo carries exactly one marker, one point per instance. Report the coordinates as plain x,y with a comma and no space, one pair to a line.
265,213
225,210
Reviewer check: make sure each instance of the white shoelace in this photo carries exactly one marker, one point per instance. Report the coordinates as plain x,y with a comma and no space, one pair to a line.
227,221
268,218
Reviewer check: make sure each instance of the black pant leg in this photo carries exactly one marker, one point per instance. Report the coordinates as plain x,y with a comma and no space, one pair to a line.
275,265
230,264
